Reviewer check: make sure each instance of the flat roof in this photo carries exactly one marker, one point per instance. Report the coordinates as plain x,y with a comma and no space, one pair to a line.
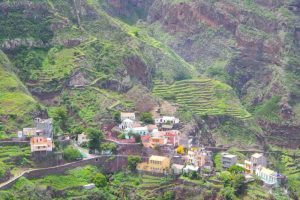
228,155
158,158
127,114
268,171
257,155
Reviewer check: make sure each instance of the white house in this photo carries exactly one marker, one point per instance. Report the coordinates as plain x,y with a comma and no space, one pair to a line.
82,138
166,119
190,168
127,115
177,169
136,130
227,160
28,132
268,176
126,123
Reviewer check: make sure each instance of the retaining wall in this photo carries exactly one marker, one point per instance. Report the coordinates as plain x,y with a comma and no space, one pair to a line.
109,164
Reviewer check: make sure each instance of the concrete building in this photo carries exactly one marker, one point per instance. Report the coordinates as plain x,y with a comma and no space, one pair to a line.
269,177
177,169
156,141
190,168
256,160
127,115
156,164
82,138
29,132
200,157
166,120
227,160
126,123
138,130
39,144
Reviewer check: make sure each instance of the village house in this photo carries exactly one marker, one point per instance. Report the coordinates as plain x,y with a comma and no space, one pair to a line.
190,168
152,128
127,115
126,123
177,169
269,177
172,136
136,130
166,120
227,160
156,164
256,160
82,138
29,132
157,141
200,157
39,144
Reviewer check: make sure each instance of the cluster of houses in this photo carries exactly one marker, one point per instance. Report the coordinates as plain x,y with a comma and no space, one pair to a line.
152,135
41,136
257,165
196,160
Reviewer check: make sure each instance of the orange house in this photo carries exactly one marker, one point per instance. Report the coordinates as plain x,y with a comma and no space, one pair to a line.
41,144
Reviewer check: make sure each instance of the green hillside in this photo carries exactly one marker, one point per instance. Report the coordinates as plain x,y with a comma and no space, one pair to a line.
203,96
15,100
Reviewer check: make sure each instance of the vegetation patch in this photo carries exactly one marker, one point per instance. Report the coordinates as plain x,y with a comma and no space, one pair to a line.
202,96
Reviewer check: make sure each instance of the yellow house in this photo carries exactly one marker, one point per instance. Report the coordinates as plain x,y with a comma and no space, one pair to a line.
157,164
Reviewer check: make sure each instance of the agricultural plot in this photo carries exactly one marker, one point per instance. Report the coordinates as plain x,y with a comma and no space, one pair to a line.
203,96
14,157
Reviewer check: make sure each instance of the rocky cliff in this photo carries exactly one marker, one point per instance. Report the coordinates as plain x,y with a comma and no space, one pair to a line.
253,46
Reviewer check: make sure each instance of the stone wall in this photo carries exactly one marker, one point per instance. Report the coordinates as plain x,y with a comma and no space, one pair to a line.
108,164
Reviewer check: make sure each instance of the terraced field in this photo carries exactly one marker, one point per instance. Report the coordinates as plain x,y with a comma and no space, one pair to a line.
202,96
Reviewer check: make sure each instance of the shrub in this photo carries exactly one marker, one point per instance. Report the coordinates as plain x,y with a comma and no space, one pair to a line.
99,180
147,118
133,161
71,154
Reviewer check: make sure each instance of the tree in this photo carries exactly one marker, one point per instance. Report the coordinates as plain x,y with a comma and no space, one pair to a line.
234,169
133,161
117,117
137,138
193,175
238,184
99,180
228,193
71,154
77,130
147,118
60,116
95,139
180,150
109,146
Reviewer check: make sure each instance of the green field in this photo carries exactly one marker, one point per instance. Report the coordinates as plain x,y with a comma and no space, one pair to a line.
202,96
13,158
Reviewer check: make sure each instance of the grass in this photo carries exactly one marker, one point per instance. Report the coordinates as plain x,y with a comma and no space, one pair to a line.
13,157
202,96
14,98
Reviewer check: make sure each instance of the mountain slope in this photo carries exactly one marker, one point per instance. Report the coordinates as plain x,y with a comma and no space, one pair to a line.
16,103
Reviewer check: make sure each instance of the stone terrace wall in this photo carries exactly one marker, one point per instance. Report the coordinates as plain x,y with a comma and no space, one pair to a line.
109,164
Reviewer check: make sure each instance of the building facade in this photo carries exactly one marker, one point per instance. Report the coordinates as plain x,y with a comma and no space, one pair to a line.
156,164
227,160
166,119
127,115
39,144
